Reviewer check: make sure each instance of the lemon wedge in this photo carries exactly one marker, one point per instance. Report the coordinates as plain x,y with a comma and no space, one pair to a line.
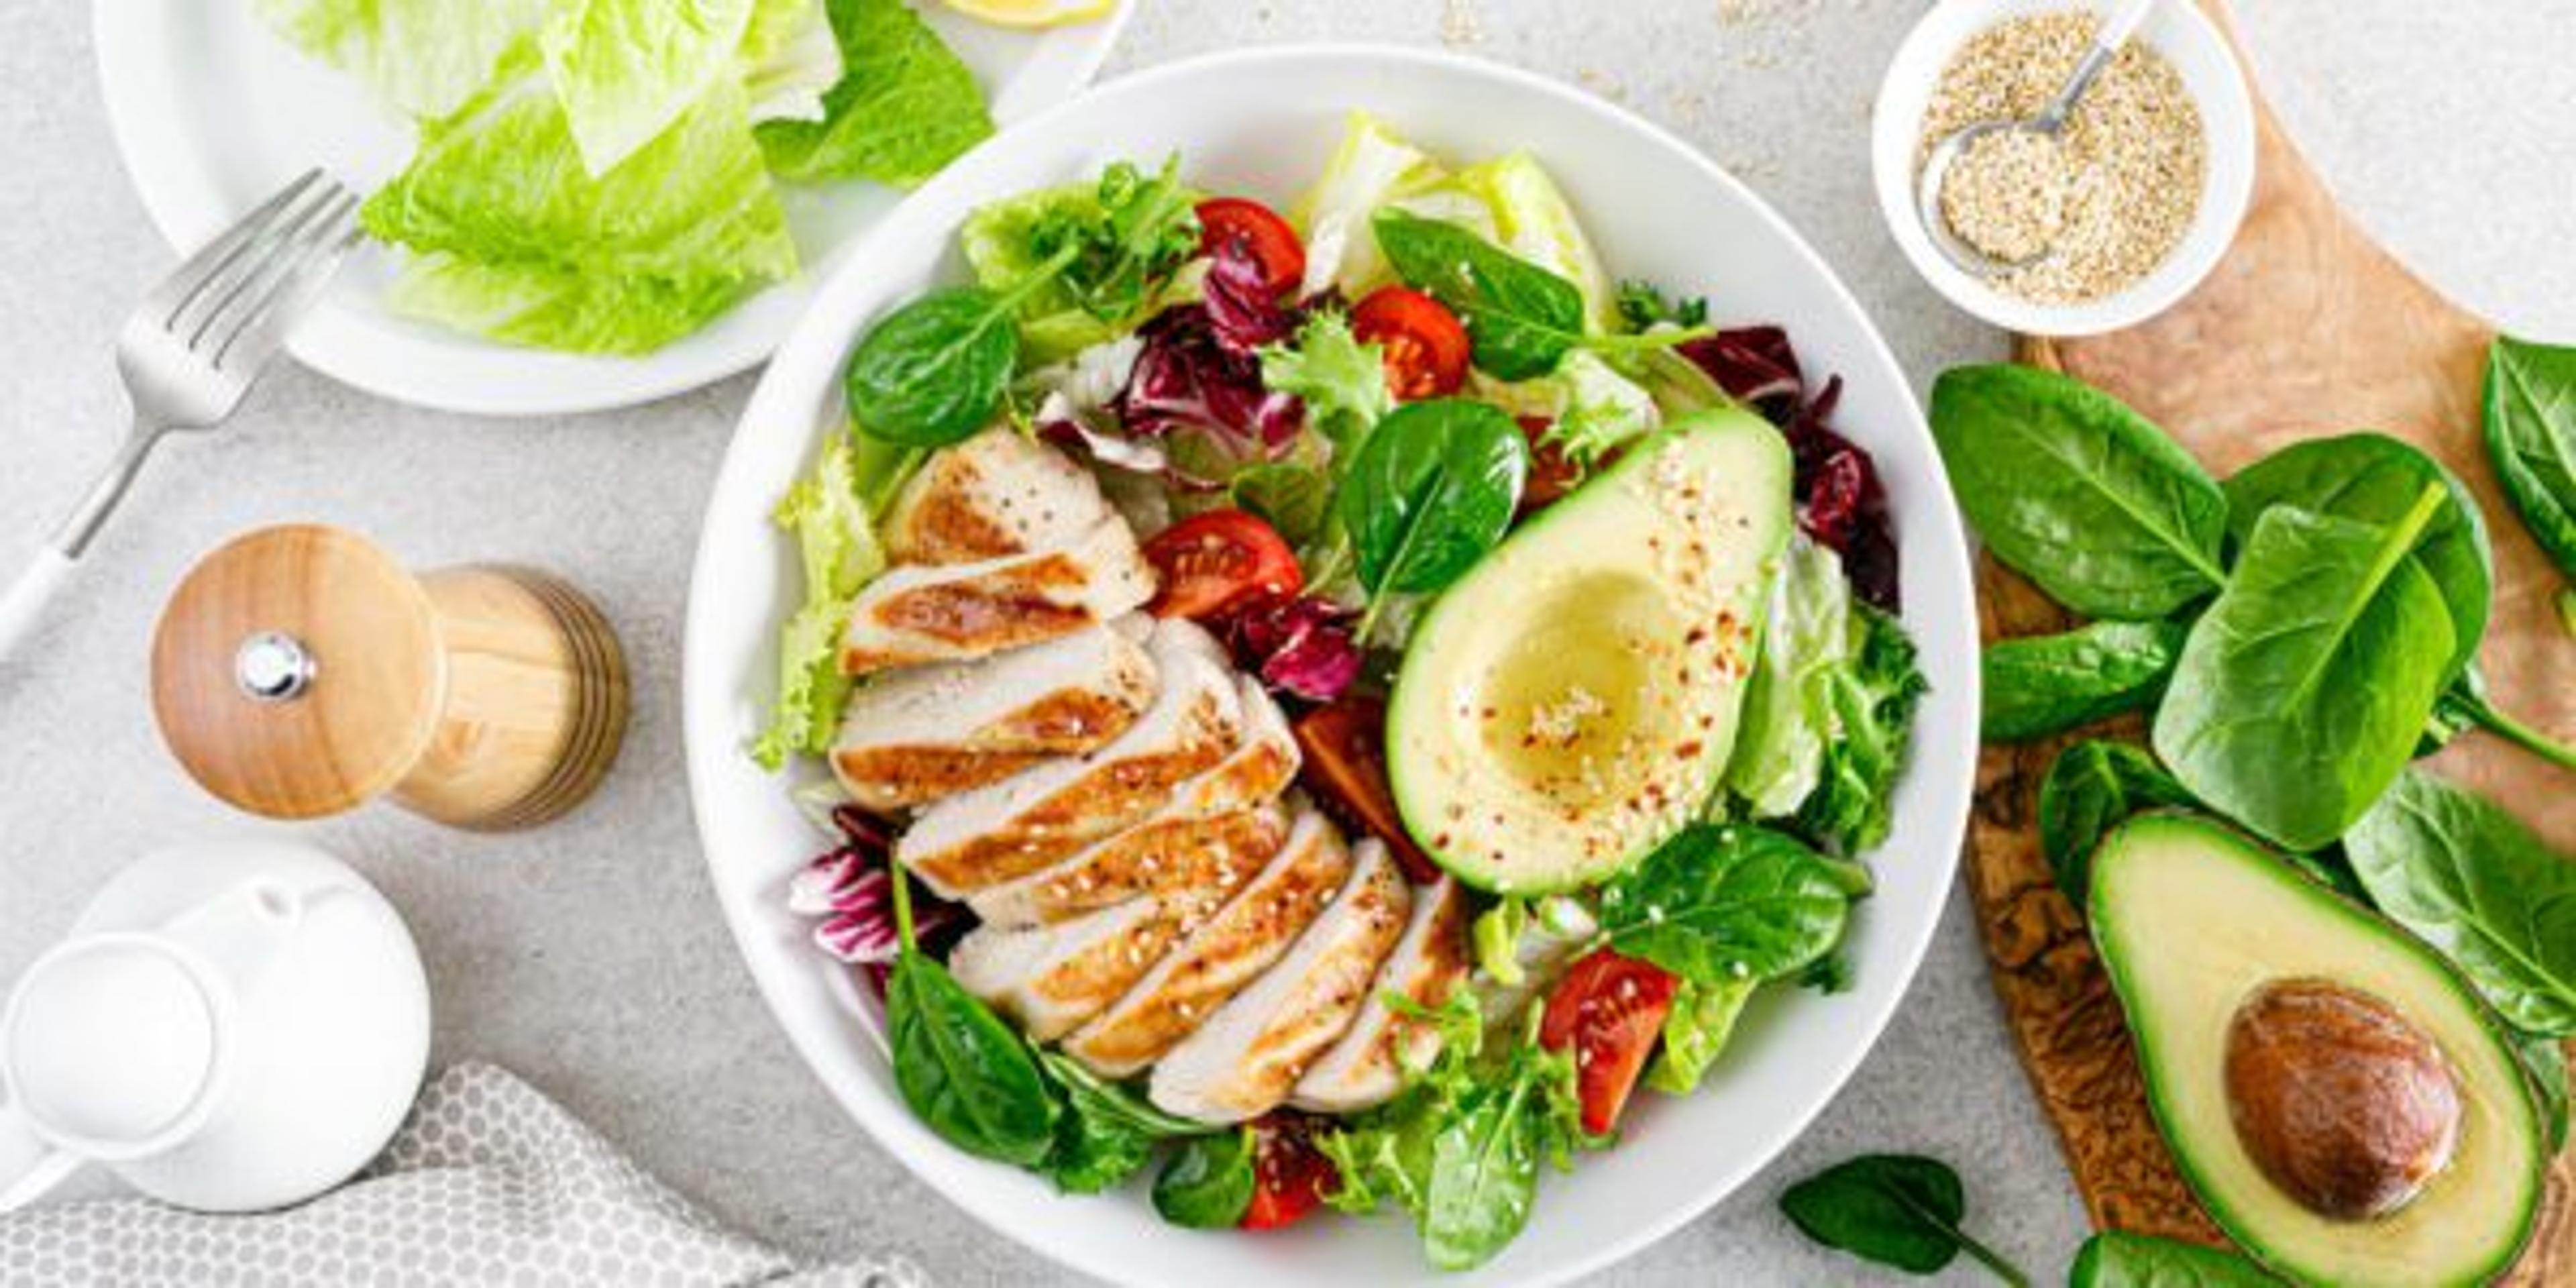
1033,13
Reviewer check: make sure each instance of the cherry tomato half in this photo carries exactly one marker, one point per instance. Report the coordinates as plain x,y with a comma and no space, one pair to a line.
1273,243
1344,743
1213,561
1609,1009
1289,1174
1426,346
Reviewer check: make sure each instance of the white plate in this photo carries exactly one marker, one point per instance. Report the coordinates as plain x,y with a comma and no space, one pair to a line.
1264,123
213,113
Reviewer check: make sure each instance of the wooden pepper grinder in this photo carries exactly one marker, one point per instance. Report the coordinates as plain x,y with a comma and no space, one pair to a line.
299,671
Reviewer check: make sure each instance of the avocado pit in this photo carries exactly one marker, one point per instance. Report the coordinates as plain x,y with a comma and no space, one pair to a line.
2340,1101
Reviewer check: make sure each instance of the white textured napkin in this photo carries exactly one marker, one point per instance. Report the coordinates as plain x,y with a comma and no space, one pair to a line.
488,1183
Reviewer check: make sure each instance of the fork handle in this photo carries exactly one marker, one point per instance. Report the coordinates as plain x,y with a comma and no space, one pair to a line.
24,604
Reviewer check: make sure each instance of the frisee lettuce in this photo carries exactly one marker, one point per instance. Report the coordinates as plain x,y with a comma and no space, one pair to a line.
833,512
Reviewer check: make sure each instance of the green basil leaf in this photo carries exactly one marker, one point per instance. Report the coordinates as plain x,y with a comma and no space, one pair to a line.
1431,492
2472,881
934,371
1209,1182
2119,1259
1897,1210
2376,479
2302,690
2091,788
2546,1061
1720,904
2043,685
2531,437
1521,317
962,1070
2080,494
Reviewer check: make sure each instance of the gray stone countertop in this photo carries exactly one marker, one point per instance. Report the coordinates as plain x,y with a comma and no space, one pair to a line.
589,956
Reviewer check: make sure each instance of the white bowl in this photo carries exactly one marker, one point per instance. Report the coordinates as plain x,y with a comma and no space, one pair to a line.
1263,123
2199,53
212,112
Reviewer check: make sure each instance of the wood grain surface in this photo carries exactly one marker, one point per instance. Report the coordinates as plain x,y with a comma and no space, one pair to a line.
2306,329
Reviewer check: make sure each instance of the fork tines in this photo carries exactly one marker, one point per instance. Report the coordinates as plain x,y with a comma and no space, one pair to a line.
231,303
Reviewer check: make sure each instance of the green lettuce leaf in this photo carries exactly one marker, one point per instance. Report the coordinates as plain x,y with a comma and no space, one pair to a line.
1532,219
554,308
1695,1032
1873,704
625,70
1007,241
1371,168
1602,410
1342,381
833,513
791,59
424,58
905,106
1788,708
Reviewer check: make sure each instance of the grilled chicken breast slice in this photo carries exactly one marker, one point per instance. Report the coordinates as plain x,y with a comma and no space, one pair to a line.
995,495
1028,822
1167,851
918,735
1367,1066
1250,1054
1262,765
1223,955
921,614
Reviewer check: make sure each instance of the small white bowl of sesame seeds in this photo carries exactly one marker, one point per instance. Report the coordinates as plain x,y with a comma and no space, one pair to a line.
2149,180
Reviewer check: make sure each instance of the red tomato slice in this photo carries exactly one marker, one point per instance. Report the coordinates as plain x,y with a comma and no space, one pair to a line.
1345,749
1273,243
1213,561
1552,473
1426,346
1609,1009
1290,1175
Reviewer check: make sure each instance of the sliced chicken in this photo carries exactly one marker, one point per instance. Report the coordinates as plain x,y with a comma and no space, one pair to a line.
1165,852
918,735
1224,954
922,614
995,495
1246,1058
1030,821
1224,817
1367,1066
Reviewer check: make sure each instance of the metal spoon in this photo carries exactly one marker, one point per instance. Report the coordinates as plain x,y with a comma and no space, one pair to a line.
2050,122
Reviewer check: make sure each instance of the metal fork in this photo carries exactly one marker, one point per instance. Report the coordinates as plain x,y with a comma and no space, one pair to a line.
191,351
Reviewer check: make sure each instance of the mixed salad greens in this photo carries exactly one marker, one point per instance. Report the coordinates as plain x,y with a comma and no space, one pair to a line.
602,176
1329,426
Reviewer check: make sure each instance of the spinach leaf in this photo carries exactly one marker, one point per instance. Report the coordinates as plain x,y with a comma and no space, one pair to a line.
1898,1210
1106,1131
2047,684
2466,703
2546,1061
1483,1178
2302,690
1521,317
2091,788
1429,494
1100,1098
1873,700
2119,1259
2377,479
1208,1183
960,1068
2531,437
1295,499
2080,494
1723,903
2475,883
934,371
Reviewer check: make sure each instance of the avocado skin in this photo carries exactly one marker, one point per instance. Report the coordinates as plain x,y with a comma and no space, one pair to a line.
2306,927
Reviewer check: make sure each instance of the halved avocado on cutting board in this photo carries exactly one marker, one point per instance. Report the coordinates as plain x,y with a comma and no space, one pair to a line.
1569,703
2343,1104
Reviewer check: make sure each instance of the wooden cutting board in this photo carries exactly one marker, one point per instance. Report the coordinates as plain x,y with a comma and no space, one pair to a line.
2307,328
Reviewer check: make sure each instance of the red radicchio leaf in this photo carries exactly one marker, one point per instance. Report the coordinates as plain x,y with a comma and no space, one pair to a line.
1189,387
851,888
1243,311
1753,364
1300,646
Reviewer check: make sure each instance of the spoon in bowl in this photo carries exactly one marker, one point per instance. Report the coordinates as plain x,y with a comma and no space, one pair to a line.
2046,127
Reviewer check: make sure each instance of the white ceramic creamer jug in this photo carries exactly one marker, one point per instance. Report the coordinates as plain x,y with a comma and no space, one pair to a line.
229,1027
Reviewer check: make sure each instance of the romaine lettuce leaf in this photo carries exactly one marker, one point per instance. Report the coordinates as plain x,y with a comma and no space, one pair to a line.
791,59
905,106
557,308
1370,169
424,58
1695,1032
1788,708
626,69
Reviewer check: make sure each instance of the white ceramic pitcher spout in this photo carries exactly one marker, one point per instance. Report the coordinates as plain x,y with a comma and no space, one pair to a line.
118,1046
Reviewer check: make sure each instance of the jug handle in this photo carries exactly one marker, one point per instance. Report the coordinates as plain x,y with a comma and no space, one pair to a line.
28,1166
241,929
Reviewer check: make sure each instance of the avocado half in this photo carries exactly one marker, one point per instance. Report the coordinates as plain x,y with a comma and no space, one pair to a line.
1570,702
2344,1105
